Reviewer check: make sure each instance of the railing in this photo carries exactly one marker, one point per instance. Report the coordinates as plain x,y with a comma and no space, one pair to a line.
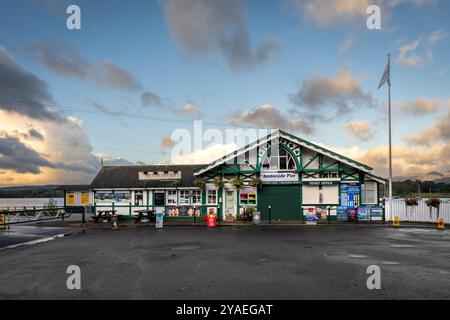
26,215
419,213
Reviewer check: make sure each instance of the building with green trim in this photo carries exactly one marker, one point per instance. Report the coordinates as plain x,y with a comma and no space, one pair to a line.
282,176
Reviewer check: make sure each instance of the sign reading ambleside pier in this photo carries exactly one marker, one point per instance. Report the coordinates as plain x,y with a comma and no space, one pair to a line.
279,177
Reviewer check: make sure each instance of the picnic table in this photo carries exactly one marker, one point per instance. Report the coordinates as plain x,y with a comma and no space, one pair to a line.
151,215
104,214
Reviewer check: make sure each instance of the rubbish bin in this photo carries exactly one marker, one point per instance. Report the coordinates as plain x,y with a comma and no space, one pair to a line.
257,217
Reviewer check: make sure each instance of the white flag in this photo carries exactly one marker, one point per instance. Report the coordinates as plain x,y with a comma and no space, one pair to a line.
386,75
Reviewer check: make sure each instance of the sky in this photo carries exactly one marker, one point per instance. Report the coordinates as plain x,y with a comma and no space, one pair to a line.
136,71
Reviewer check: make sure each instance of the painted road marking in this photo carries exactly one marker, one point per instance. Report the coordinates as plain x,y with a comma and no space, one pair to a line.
390,263
357,256
403,245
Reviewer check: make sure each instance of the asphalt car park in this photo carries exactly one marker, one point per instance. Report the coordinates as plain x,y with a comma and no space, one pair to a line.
241,262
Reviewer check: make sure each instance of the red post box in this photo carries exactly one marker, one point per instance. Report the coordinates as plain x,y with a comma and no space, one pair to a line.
211,221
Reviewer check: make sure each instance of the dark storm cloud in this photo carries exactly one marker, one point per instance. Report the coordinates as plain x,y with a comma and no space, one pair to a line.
204,26
64,60
21,91
14,155
324,99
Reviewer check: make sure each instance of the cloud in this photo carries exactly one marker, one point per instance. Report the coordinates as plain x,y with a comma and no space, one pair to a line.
205,156
325,99
64,60
22,92
15,155
269,117
330,12
325,12
167,142
35,134
191,110
205,26
423,106
149,99
26,157
438,132
360,129
407,160
347,46
420,52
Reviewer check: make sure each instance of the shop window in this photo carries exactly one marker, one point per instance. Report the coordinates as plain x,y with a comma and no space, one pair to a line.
160,199
138,198
369,193
248,196
183,197
171,196
211,197
282,161
197,197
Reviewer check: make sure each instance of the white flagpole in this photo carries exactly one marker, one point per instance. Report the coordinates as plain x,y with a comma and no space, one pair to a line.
390,139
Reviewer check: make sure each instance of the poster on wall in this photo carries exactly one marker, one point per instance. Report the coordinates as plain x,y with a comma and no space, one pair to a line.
376,213
85,200
183,211
70,198
350,195
117,197
363,214
311,216
342,214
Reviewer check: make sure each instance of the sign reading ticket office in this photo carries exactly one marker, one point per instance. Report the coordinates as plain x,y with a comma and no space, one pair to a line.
279,177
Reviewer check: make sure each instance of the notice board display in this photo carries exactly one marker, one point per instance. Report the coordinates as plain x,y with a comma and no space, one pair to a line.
350,195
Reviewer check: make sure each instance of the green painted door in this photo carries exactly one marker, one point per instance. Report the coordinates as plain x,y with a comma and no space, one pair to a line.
284,200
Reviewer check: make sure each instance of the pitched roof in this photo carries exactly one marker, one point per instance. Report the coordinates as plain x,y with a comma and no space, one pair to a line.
117,177
288,136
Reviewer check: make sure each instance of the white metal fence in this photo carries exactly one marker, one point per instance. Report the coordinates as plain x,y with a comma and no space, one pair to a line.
419,213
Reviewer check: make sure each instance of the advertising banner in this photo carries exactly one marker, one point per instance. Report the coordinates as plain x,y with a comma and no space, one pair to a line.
70,198
350,195
85,198
376,213
363,213
342,214
159,220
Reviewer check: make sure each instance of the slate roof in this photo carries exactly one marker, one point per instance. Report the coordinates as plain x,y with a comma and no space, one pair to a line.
117,177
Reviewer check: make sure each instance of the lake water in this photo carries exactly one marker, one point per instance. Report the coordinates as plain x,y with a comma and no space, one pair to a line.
28,202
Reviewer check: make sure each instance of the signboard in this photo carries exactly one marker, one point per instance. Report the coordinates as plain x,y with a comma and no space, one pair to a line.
160,175
85,198
320,183
279,177
311,216
350,195
341,214
159,220
376,213
363,213
70,198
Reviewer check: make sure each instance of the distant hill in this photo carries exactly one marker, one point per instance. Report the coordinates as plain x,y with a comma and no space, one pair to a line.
46,191
435,176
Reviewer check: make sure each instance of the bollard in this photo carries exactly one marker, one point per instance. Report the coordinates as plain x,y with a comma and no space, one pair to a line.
270,214
396,222
441,224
